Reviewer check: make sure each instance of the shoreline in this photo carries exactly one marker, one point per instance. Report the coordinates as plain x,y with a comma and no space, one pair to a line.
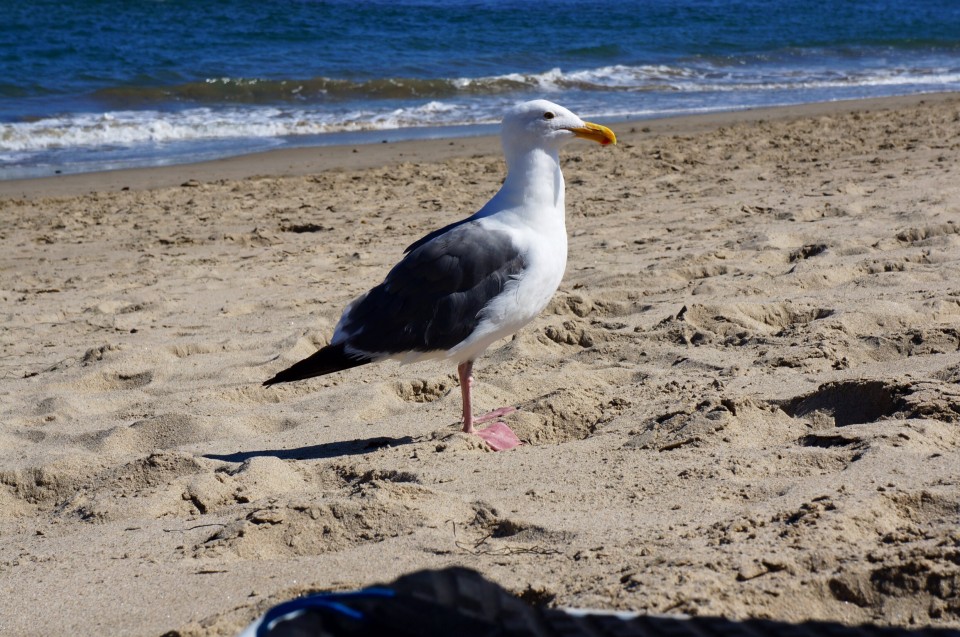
307,160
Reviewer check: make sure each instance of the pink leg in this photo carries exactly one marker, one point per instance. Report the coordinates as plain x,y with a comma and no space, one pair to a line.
498,435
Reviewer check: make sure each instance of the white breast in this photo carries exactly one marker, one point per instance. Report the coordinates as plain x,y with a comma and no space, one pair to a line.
523,298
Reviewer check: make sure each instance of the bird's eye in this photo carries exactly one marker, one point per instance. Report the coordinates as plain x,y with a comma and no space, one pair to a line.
548,115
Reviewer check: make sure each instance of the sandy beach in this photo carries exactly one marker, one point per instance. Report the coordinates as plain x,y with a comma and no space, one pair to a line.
743,401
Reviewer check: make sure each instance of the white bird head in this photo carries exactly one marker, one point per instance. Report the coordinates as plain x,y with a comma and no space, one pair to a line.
543,124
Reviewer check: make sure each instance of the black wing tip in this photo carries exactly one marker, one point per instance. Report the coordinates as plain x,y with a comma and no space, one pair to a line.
332,358
282,377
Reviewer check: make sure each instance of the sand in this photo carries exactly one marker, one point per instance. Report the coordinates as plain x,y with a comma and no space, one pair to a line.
743,401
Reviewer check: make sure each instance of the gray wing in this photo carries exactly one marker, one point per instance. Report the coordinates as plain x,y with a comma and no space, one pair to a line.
432,299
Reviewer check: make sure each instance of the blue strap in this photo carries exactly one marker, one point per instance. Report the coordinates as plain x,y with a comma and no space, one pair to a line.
327,601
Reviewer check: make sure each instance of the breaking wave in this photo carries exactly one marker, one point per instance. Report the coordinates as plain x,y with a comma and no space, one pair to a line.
698,76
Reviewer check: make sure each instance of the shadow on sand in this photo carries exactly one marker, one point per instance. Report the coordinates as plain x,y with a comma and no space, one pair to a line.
317,452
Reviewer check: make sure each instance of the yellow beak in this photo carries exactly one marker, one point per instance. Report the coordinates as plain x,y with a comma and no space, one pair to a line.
600,134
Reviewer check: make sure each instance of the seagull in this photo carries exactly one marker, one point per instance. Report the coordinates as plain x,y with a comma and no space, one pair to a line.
463,287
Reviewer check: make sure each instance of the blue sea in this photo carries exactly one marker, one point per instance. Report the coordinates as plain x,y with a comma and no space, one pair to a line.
102,84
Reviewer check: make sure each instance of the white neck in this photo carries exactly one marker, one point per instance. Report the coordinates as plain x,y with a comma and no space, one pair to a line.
534,184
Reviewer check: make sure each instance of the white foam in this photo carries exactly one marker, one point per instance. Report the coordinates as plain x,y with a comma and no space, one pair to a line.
881,79
608,91
128,128
705,77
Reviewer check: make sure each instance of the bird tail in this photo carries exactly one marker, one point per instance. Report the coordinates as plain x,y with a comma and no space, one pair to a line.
332,358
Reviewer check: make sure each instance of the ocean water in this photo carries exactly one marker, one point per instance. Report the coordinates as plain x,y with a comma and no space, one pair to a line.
101,84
